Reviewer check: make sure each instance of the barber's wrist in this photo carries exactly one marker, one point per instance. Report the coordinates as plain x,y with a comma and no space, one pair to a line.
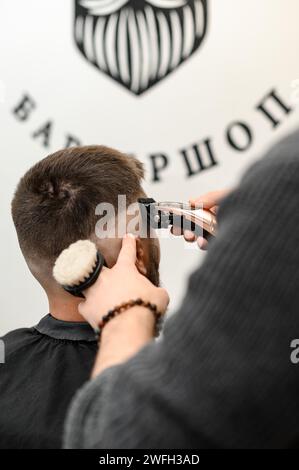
123,337
123,307
136,317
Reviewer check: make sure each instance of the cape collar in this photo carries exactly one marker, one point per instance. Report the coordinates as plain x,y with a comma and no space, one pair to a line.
59,329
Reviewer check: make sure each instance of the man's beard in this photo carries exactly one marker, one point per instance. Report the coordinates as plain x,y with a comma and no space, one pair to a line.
139,42
153,273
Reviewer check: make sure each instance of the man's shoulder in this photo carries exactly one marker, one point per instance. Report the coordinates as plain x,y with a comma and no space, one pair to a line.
17,339
19,333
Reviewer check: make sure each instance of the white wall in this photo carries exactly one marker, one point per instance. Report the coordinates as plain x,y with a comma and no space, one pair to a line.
251,47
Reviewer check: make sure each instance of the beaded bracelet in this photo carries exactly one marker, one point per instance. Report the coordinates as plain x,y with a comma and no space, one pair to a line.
126,306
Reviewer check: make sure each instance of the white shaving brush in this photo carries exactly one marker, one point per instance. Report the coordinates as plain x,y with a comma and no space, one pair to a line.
78,267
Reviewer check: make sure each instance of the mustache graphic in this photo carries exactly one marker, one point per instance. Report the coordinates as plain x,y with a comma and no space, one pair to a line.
139,45
106,7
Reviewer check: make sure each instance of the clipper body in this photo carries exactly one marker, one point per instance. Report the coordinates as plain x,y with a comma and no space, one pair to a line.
161,215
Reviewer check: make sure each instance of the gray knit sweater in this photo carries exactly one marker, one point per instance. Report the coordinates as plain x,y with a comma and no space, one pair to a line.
222,376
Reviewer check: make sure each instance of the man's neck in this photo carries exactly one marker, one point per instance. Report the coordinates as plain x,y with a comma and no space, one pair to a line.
65,308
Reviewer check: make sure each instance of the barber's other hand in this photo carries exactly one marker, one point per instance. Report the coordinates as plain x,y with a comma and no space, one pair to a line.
209,201
120,284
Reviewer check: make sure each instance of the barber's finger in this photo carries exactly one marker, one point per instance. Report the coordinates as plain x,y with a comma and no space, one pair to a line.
214,209
189,236
176,230
202,243
127,253
209,199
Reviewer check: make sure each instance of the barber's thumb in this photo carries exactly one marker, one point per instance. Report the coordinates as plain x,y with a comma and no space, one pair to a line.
127,254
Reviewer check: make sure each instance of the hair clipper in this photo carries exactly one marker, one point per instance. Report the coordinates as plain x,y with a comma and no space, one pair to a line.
161,215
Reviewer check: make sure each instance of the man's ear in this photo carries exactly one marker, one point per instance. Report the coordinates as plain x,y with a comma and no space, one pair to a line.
141,257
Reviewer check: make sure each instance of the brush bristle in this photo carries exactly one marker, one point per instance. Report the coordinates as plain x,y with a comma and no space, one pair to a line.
76,263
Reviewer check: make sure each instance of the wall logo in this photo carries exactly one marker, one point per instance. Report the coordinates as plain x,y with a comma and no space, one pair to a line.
139,42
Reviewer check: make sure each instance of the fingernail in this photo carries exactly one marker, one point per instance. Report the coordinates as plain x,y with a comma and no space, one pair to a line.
202,243
189,235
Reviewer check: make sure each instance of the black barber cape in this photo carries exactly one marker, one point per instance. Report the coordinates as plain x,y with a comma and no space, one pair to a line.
44,367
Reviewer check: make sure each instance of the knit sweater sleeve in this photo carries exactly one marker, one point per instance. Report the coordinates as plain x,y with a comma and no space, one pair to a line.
222,375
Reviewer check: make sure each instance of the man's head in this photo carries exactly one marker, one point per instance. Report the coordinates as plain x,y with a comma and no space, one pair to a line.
55,205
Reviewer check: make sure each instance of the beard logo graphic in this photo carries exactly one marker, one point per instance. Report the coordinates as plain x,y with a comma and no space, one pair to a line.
139,42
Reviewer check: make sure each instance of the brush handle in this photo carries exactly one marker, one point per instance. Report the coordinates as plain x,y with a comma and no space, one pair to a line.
78,290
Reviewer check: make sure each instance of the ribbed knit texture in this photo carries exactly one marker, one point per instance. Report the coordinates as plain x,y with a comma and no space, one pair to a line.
222,376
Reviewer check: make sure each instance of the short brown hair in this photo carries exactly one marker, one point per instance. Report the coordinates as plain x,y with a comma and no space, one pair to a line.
54,203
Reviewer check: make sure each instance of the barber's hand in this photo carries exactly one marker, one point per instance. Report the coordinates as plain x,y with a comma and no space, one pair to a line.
120,284
209,201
